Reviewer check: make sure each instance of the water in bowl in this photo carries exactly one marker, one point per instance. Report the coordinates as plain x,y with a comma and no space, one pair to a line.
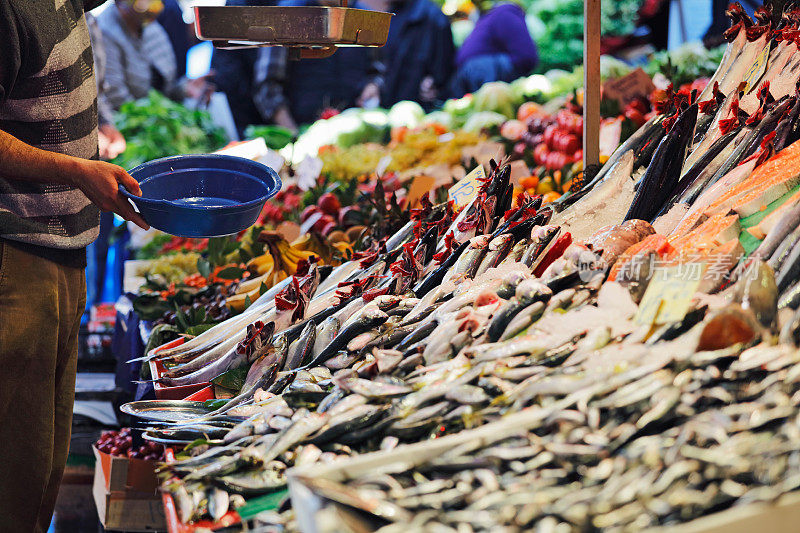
206,201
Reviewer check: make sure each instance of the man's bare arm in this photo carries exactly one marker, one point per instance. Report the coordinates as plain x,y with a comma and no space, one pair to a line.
97,179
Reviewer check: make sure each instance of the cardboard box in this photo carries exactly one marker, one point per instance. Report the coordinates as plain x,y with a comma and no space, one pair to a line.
127,510
123,474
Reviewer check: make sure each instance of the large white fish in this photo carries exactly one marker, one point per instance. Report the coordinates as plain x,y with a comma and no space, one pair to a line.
604,205
712,134
779,80
785,82
732,53
735,76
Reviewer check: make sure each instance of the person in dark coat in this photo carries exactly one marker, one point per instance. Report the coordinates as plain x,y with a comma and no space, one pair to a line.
418,56
293,92
233,76
171,19
500,48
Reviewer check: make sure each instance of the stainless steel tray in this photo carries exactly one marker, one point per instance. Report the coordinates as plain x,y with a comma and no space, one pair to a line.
297,27
165,410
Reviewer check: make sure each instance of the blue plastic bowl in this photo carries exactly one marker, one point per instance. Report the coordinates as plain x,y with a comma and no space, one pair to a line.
202,195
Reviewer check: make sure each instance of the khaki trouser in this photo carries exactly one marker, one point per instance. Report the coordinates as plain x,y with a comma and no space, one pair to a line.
41,304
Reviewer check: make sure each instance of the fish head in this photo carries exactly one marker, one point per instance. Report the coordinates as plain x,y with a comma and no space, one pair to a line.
533,290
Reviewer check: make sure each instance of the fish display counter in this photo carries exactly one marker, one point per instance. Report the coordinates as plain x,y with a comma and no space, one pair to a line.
621,358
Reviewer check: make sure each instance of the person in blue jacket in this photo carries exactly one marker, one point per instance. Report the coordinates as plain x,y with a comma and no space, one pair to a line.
500,48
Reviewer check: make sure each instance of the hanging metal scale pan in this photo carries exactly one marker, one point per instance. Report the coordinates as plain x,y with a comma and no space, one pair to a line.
313,31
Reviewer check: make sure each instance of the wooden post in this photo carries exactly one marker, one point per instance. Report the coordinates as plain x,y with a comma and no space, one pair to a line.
591,82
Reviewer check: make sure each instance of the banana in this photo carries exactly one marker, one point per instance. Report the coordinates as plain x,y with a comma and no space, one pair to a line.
303,243
261,265
313,244
252,283
238,302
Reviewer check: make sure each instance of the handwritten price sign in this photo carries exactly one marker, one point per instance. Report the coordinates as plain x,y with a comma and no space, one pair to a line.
463,192
756,70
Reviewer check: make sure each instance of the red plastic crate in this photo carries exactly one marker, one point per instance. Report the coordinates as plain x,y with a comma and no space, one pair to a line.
157,369
206,393
174,525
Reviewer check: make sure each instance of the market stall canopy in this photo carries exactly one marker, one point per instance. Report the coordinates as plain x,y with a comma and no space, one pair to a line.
312,31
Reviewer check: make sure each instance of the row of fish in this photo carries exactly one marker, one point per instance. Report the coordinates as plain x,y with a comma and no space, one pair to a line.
469,318
674,436
696,158
460,356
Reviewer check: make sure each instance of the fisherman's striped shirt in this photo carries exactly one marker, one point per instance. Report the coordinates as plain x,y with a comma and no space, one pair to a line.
48,99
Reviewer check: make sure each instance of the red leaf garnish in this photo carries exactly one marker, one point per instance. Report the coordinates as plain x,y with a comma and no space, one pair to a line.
708,106
766,150
682,98
670,121
304,266
424,209
727,125
442,256
755,32
370,255
371,294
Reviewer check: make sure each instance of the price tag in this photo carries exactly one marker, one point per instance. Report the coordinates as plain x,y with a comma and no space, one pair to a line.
756,70
624,89
669,294
463,192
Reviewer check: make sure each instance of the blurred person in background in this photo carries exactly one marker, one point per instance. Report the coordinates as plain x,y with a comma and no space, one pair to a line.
139,55
293,92
110,140
417,60
181,35
500,48
111,143
234,73
654,14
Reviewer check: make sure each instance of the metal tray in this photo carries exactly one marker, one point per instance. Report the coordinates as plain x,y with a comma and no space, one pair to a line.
291,26
165,410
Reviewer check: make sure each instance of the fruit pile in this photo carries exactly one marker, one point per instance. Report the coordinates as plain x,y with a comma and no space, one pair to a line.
554,142
282,207
328,214
561,142
120,444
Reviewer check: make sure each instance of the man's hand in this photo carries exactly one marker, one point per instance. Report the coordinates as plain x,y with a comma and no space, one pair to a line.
284,118
100,182
111,142
370,96
427,89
